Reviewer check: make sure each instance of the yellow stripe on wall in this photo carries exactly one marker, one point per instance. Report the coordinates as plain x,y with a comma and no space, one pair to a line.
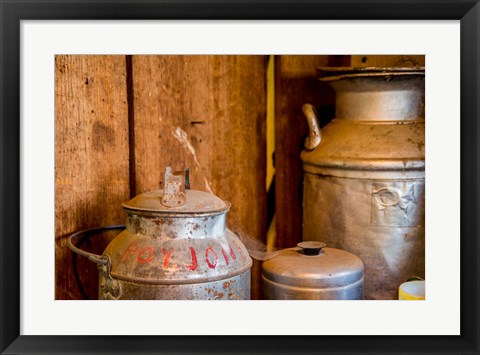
271,232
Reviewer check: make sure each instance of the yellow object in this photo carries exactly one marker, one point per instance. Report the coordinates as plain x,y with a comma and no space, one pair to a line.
412,290
271,233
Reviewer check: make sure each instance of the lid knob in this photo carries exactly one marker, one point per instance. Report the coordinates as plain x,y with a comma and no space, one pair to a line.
174,189
311,247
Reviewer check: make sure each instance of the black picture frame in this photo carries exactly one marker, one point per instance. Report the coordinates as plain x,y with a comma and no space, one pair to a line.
13,12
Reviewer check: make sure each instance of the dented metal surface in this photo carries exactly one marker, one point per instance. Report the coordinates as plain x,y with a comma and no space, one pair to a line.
364,183
179,252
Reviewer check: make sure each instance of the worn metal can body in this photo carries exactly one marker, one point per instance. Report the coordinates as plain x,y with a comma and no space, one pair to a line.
175,247
364,175
327,274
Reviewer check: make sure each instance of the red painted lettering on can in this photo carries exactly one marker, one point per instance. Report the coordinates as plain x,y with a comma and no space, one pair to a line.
141,258
211,263
194,264
166,257
132,249
232,254
225,255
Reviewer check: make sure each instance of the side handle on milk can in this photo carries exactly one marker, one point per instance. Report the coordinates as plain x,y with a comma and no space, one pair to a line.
315,135
110,288
98,259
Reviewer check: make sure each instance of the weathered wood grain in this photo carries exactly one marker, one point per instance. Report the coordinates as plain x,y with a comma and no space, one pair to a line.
207,113
91,160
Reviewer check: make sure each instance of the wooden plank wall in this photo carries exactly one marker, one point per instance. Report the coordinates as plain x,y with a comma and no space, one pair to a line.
120,120
91,160
296,83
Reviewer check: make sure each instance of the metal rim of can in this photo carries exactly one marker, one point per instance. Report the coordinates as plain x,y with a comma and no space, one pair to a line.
337,73
199,204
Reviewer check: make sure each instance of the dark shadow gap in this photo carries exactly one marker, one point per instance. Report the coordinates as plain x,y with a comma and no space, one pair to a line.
131,126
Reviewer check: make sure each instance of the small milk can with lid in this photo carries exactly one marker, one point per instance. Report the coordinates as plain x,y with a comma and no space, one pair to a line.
175,246
313,272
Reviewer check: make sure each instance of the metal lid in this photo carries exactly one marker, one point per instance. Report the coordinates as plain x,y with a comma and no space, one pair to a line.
176,199
329,268
336,73
197,202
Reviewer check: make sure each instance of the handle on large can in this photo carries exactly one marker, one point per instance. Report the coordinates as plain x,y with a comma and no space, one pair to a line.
315,135
98,259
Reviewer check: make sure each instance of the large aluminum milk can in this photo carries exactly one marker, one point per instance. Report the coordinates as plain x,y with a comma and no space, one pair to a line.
313,272
364,173
175,246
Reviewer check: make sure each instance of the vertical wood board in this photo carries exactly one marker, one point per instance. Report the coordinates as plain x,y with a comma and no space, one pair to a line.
91,159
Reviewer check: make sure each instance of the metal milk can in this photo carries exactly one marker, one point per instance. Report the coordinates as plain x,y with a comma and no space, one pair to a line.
364,173
175,246
313,272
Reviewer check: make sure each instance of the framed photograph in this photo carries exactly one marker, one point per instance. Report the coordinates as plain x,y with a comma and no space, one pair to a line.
97,98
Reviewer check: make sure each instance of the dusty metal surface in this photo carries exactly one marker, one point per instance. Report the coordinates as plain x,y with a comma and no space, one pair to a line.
364,183
387,236
313,272
355,149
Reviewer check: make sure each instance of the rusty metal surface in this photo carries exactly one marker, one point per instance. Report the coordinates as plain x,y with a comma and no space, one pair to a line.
364,183
167,260
178,256
174,190
330,274
232,288
174,250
